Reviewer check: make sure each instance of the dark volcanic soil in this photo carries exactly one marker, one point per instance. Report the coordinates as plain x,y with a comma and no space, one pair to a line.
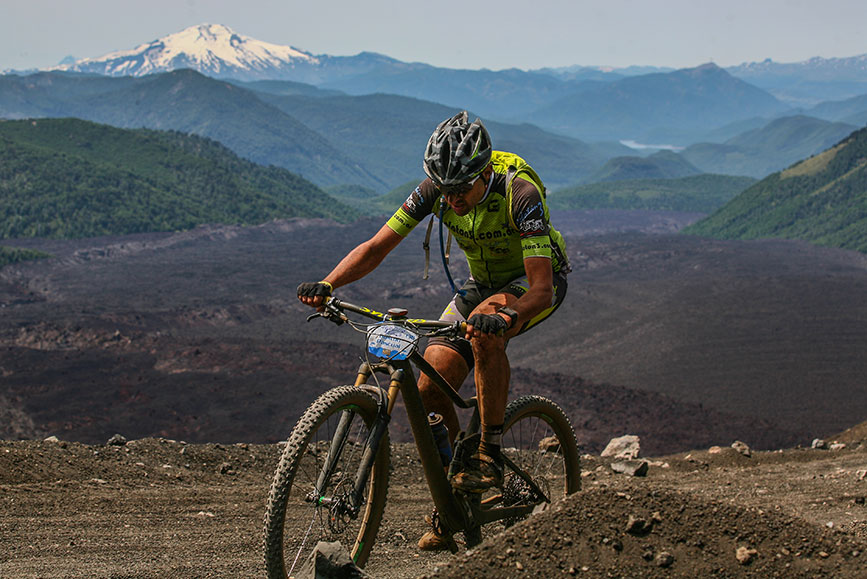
157,508
197,335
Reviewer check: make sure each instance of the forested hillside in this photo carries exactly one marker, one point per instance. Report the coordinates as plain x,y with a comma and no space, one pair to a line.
768,148
822,200
698,193
660,165
73,178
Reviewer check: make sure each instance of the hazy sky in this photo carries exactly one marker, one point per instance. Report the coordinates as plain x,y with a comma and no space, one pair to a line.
456,33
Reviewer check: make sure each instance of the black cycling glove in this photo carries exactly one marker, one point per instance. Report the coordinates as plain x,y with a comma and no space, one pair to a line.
314,289
488,323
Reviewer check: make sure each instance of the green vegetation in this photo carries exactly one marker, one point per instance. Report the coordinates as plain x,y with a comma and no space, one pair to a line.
388,203
699,194
71,178
765,150
358,197
367,201
349,191
10,255
822,200
660,165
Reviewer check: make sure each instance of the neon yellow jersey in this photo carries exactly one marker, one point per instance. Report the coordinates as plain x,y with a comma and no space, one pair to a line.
509,224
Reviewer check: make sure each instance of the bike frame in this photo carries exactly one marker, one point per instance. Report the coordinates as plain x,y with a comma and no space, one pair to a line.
457,511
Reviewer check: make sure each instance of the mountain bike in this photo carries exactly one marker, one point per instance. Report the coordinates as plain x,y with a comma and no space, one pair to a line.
331,482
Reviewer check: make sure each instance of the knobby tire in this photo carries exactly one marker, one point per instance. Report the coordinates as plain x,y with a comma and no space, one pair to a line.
539,439
293,523
538,436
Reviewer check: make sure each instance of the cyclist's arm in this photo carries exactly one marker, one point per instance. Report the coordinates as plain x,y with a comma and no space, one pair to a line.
528,212
541,293
364,258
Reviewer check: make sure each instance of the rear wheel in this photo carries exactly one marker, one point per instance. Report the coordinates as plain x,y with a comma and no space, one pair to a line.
311,495
538,438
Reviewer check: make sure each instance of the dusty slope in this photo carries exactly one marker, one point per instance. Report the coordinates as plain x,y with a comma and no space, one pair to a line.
766,328
157,508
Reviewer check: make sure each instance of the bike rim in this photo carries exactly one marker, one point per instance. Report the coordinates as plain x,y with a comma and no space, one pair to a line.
326,513
532,443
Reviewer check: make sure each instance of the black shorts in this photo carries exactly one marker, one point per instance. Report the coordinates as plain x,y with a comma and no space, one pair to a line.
461,306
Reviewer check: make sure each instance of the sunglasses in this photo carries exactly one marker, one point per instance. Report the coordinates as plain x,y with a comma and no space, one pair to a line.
460,189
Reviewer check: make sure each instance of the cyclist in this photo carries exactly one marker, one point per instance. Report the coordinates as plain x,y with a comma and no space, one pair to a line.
494,205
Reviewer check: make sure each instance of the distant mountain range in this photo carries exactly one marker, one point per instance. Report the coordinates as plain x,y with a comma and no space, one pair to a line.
218,51
551,98
363,120
677,107
375,140
809,82
852,110
81,179
771,147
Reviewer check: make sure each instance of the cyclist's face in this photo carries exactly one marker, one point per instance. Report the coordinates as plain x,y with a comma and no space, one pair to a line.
462,198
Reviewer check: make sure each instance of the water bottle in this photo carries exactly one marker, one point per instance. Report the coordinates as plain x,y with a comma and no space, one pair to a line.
441,436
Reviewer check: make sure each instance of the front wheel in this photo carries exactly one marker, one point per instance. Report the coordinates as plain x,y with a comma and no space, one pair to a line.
540,441
312,495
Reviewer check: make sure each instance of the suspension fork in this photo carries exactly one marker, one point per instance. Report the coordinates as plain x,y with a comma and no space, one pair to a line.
334,451
371,448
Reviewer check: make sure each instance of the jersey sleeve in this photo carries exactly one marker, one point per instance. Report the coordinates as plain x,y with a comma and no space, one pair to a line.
417,206
529,215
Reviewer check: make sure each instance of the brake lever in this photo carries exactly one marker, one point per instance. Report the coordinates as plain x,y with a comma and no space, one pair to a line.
453,330
329,314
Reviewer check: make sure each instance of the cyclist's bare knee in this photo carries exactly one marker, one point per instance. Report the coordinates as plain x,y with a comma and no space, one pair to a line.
488,347
448,362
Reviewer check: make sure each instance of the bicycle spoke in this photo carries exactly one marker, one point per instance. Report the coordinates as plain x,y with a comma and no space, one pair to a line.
313,497
538,470
303,544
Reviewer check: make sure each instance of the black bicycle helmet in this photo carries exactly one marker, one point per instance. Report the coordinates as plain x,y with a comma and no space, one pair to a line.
457,151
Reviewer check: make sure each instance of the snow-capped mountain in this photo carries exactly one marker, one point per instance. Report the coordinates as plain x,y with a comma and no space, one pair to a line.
809,82
212,49
816,68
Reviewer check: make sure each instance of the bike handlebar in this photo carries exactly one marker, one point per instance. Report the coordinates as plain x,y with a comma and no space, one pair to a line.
334,309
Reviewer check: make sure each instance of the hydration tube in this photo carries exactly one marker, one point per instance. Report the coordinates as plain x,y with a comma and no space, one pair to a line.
459,292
